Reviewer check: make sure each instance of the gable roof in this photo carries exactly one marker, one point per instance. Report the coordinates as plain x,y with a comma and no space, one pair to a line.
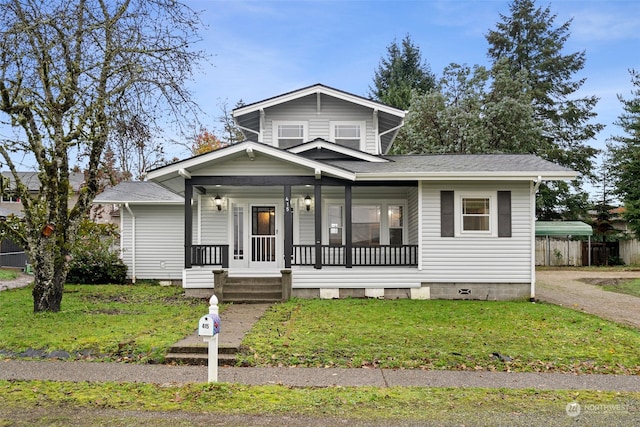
320,144
317,89
250,118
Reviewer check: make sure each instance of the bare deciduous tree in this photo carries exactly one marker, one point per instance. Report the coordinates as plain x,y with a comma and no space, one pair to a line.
69,71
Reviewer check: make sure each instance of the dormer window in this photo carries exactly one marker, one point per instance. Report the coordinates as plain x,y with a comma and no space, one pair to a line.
348,134
289,134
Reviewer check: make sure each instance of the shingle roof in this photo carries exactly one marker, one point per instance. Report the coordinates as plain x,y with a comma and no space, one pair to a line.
138,192
30,179
454,163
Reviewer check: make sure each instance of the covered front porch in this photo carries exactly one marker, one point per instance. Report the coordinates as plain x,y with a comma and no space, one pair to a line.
262,225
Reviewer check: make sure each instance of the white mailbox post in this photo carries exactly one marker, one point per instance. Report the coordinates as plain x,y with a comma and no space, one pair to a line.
209,328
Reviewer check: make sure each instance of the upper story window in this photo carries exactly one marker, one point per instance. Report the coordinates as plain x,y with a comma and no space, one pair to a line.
348,134
289,134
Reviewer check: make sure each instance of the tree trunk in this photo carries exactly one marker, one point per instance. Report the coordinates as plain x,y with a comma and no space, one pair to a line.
49,278
47,294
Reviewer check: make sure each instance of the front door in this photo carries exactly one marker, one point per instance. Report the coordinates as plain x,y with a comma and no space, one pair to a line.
263,236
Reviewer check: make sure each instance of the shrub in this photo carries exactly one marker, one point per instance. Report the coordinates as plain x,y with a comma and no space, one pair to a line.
93,258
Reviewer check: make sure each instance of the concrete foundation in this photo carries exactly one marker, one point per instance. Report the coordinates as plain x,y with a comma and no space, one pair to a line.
479,291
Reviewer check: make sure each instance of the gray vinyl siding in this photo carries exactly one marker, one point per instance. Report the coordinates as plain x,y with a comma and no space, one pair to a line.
412,216
159,235
473,258
332,109
261,166
214,223
361,277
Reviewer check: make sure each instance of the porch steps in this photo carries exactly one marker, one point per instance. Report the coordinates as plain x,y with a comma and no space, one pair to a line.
252,290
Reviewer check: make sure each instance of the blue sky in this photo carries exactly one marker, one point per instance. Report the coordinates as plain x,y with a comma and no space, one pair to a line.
263,48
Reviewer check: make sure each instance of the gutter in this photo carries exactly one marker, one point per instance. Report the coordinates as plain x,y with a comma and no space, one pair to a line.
133,243
534,190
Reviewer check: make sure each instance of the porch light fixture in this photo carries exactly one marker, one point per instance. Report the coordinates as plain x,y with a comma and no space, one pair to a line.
307,202
218,201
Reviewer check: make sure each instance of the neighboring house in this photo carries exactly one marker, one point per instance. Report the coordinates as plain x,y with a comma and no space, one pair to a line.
312,196
12,255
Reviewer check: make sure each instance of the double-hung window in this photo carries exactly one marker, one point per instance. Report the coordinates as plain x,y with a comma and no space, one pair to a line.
289,134
479,213
348,134
476,214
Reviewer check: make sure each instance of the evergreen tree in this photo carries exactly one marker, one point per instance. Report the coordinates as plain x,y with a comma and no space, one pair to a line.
400,73
625,155
529,40
472,110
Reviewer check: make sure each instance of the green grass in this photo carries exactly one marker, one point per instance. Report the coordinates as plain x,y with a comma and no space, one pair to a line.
139,323
7,274
433,334
631,287
115,322
394,404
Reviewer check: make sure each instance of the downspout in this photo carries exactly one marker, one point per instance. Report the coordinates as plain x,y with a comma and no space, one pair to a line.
534,190
133,243
386,132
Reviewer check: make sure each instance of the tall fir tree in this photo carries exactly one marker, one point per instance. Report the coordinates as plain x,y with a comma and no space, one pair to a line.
625,155
530,41
400,73
472,110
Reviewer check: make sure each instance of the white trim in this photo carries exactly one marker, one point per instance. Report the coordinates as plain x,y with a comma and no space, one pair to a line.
362,124
466,176
318,89
533,188
493,213
169,171
384,217
420,226
277,123
319,144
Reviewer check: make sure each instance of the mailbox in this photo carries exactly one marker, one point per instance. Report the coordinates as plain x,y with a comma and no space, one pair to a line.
209,325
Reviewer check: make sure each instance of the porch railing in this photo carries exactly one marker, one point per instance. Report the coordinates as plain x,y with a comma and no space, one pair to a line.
382,255
210,255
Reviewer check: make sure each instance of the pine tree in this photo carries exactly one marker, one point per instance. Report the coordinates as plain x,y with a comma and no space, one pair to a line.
400,73
529,40
625,155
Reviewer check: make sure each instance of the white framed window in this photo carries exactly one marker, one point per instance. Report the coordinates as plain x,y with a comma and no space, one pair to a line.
288,134
369,227
477,213
348,134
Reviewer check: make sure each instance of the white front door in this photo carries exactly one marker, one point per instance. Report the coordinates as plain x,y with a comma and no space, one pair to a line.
263,242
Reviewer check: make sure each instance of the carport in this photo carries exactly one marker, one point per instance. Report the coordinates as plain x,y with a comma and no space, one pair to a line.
563,228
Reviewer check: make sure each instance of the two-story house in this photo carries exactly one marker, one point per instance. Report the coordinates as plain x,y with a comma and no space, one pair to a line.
313,197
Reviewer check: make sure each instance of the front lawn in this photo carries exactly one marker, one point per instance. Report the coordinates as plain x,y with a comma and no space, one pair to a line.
110,322
140,322
432,334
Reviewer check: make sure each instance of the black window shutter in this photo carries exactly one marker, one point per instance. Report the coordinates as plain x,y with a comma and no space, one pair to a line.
447,216
504,213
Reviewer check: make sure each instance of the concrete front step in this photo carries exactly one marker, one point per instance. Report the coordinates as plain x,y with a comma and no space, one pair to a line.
252,290
199,359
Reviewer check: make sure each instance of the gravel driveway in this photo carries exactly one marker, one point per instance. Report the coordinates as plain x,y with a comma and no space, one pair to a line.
572,288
